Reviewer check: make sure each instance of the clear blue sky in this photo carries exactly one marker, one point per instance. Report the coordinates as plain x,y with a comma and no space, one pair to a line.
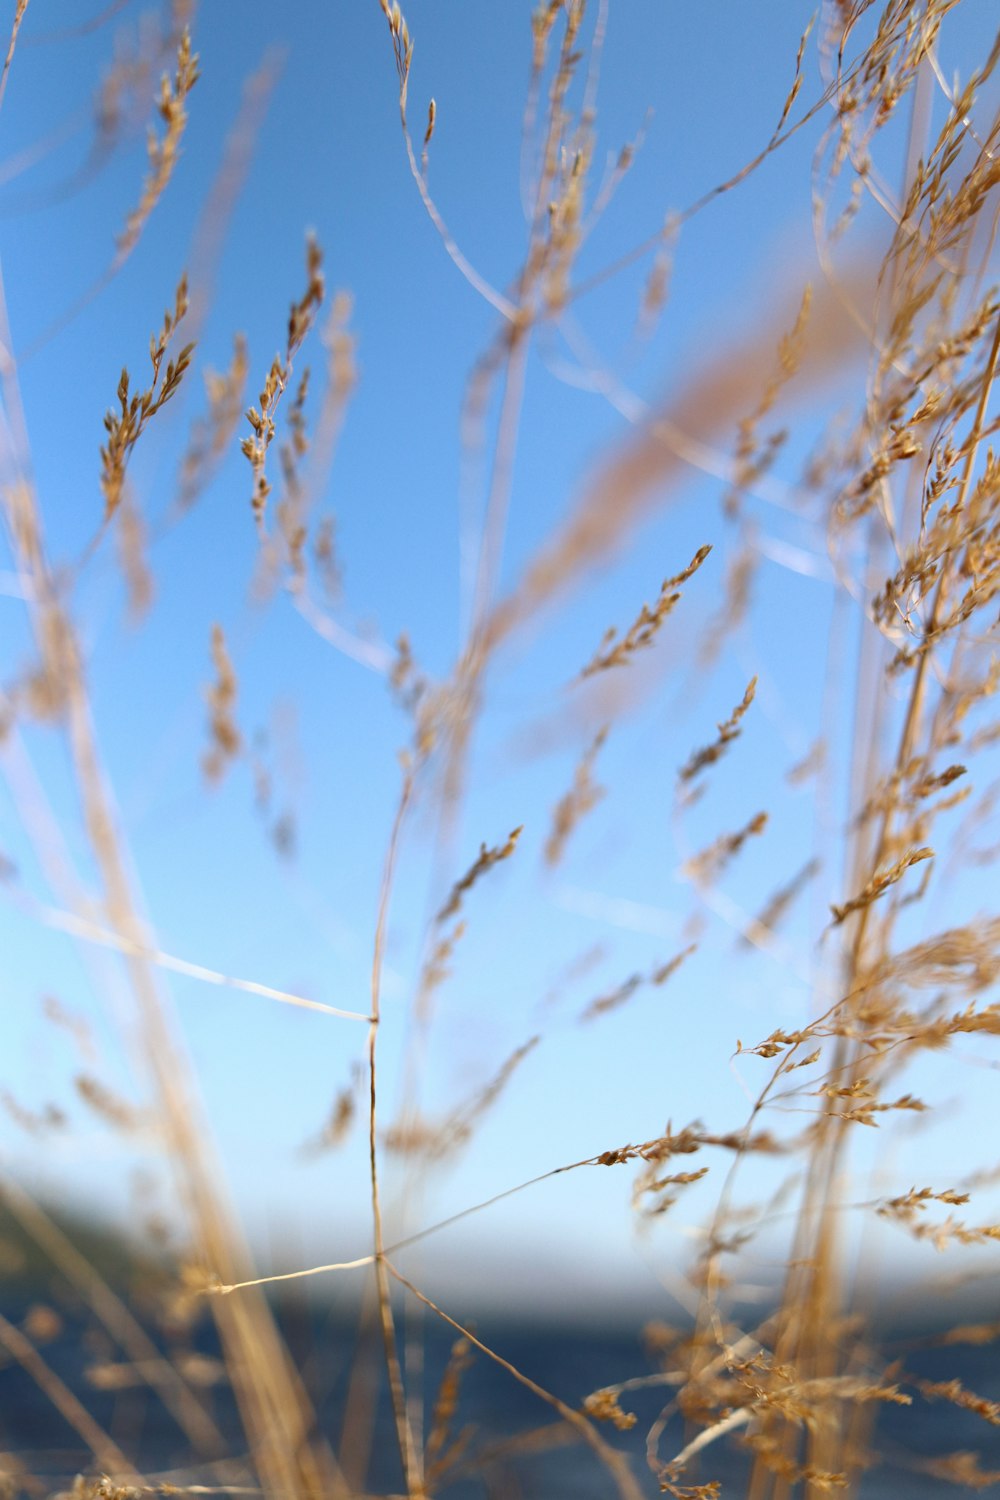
329,158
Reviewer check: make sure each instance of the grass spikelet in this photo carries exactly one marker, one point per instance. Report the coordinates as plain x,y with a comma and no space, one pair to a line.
225,740
341,1118
613,1000
879,883
711,1490
428,133
916,1200
491,1092
729,730
402,47
956,1393
437,966
953,1231
163,150
411,688
32,1122
737,595
961,1467
300,320
858,1104
582,797
291,508
666,971
303,483
620,996
711,862
604,1406
809,765
437,1140
775,1044
971,1333
19,10
484,861
126,425
211,435
613,652
442,1450
654,1195
961,958
326,561
657,286
753,457
104,1102
767,920
73,1024
139,582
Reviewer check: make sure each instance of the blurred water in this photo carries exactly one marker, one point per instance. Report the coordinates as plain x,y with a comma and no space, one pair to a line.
571,1363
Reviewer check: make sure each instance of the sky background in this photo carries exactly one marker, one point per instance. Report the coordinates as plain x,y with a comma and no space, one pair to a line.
705,86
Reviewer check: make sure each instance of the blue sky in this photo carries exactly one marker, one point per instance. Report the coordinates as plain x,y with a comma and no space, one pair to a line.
329,159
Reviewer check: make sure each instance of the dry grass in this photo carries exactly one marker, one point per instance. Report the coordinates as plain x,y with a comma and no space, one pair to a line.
905,490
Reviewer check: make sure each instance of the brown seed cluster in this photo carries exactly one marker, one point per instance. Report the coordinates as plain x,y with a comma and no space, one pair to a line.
136,409
615,652
225,740
163,150
262,416
582,797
